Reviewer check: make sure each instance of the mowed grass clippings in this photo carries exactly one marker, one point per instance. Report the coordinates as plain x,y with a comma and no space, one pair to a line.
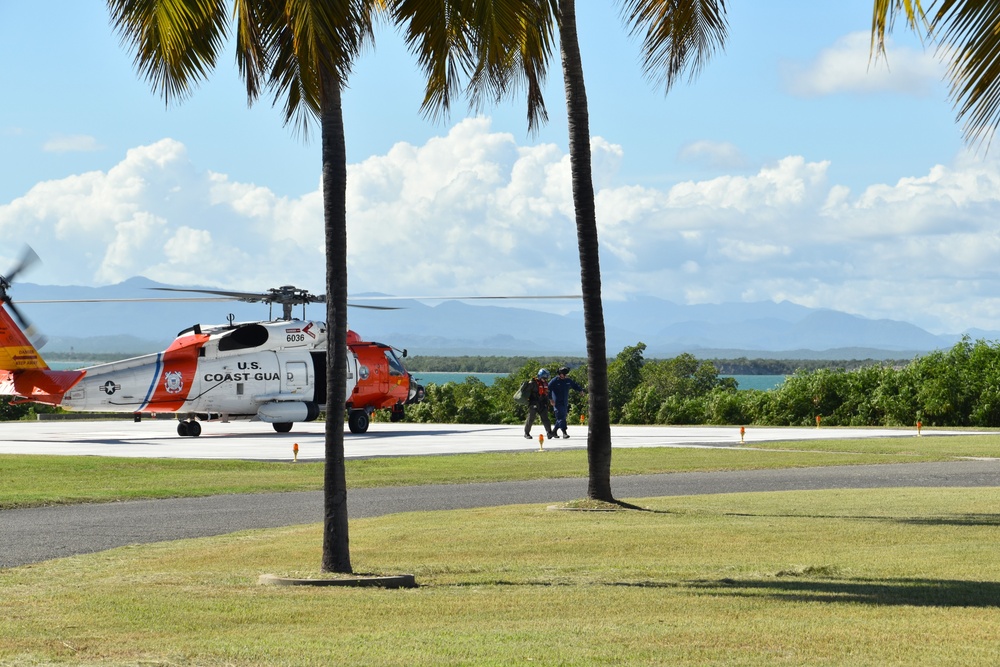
857,577
31,481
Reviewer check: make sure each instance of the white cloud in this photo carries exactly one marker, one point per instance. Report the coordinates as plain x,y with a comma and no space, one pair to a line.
715,154
80,143
475,212
847,67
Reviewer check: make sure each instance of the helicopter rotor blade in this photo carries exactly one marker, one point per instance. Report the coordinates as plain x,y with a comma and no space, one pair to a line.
249,297
28,258
468,298
287,296
30,331
358,305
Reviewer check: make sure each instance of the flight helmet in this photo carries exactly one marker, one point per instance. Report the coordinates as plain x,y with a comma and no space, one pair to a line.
542,373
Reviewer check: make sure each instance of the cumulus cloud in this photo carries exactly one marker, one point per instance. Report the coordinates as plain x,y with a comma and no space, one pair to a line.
847,67
475,211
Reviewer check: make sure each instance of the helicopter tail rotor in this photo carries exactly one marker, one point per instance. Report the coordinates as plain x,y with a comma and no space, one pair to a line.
28,258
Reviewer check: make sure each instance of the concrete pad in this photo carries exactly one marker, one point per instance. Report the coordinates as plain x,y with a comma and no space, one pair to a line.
258,441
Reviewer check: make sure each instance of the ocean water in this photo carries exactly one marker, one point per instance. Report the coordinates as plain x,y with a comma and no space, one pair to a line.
441,378
763,382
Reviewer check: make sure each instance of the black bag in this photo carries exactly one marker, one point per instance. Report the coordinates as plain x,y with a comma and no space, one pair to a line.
523,394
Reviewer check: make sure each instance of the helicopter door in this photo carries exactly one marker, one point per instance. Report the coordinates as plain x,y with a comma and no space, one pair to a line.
296,377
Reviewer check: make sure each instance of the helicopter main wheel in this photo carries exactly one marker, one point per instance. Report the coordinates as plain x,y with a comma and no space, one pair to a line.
282,427
358,421
189,428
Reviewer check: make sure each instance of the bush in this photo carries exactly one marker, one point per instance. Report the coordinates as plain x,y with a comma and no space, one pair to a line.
957,387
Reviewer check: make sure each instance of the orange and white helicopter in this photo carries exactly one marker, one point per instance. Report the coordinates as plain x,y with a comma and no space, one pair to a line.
272,371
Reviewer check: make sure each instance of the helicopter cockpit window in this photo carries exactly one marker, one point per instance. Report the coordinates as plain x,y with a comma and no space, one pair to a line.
244,337
395,368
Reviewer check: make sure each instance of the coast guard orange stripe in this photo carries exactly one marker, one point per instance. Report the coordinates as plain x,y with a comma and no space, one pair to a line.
173,384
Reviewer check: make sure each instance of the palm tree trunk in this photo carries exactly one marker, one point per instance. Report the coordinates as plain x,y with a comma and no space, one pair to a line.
599,431
336,550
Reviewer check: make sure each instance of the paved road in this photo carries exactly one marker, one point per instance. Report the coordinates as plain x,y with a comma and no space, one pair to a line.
34,535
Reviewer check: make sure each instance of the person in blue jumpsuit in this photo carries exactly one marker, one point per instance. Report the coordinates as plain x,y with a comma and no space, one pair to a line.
560,388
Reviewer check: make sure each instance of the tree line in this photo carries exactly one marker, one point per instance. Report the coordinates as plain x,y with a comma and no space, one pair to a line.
955,387
738,366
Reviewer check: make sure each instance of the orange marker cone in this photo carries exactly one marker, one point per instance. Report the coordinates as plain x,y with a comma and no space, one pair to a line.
295,452
743,432
541,441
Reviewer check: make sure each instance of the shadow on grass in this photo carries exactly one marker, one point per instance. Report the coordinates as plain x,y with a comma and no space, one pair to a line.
960,520
912,592
588,504
956,520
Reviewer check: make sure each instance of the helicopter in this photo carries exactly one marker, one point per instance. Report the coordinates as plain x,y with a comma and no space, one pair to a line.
273,371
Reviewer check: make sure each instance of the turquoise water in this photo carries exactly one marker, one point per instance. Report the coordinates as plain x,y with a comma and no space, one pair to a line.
763,382
441,378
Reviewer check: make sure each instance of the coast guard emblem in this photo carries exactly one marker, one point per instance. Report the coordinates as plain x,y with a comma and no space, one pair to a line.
173,382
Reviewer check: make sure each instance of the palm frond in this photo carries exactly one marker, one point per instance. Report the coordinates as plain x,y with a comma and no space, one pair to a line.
435,33
176,42
487,49
968,34
677,35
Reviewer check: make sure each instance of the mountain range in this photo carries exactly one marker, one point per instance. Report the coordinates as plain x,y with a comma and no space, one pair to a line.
451,328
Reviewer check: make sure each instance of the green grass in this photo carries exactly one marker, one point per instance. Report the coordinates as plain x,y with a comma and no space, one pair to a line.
30,481
857,577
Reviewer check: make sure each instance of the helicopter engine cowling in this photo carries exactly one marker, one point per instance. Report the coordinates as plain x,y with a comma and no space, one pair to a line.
288,411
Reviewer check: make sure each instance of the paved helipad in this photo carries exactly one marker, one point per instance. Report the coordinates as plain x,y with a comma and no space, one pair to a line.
258,441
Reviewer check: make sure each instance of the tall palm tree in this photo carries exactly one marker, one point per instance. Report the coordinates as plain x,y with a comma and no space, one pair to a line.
500,45
967,36
302,52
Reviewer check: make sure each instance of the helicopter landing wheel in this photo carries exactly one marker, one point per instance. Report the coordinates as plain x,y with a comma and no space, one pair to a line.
282,427
358,421
189,428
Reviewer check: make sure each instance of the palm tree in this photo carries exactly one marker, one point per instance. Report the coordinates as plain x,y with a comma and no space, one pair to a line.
500,45
301,51
967,35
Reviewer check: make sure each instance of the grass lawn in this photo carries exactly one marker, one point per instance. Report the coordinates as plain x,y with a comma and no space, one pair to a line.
857,577
30,481
851,577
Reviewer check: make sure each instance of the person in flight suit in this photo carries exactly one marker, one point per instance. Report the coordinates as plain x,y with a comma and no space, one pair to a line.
560,388
539,401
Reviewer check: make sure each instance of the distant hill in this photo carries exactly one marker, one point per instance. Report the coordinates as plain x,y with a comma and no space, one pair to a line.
761,329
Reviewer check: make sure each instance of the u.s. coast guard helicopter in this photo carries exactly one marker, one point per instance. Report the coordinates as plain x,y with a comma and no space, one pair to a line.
272,371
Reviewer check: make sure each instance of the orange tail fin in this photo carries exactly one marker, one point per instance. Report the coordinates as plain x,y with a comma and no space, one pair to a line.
16,351
23,372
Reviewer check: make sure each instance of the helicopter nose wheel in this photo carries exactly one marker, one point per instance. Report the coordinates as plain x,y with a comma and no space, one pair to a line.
189,428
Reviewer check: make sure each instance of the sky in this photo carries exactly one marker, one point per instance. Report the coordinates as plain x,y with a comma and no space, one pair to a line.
792,168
